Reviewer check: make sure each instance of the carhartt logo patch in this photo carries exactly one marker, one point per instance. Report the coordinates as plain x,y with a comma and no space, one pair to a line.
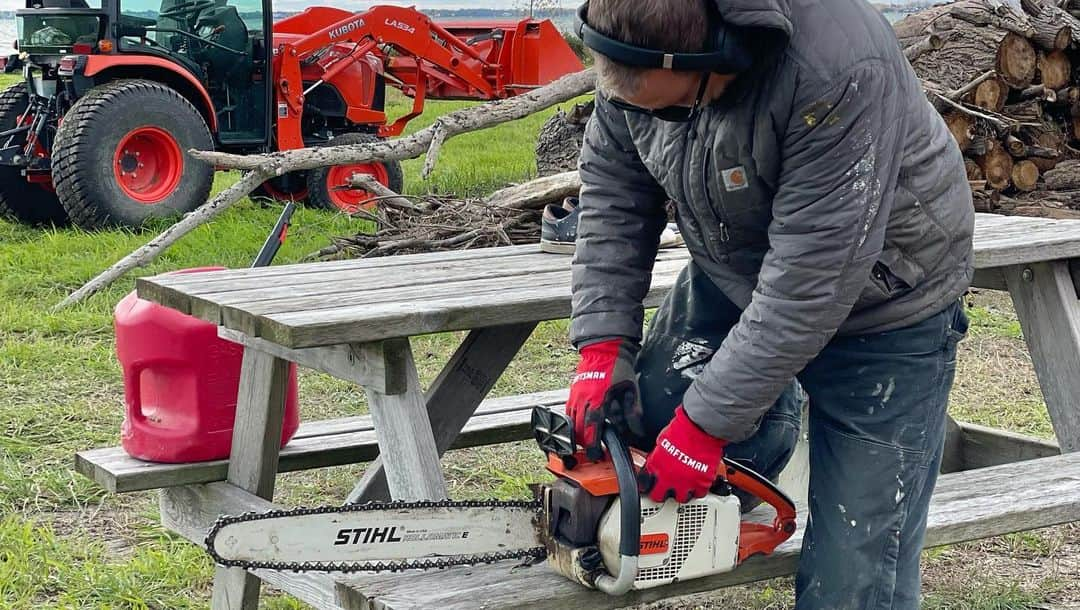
735,178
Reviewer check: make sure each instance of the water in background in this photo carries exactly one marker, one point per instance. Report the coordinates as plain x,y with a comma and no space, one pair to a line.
7,36
564,22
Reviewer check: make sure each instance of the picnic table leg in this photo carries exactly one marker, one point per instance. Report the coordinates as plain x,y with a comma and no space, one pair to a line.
454,395
403,430
253,460
1046,301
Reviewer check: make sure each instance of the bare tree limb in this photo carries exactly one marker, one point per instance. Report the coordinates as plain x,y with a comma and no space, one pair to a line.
452,124
536,193
150,251
260,168
999,122
371,185
956,94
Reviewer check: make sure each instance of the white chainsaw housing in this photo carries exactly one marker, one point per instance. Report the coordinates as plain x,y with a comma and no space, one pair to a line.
678,541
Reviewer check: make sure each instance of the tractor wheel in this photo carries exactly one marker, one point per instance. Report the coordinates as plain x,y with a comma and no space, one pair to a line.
21,200
289,187
119,155
323,182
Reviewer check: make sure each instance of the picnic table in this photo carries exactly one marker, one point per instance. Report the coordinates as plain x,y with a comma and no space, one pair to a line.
353,320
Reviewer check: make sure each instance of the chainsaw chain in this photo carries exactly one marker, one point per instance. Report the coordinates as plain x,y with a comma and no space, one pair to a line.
533,554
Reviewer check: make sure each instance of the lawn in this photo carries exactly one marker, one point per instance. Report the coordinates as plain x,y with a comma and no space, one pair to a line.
64,543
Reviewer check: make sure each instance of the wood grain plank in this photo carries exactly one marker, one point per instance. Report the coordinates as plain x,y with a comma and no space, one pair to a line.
342,361
983,446
965,506
547,301
455,394
404,431
348,440
990,278
999,241
1047,304
190,511
253,460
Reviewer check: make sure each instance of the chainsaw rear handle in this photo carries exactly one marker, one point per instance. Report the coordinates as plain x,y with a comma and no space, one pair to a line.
629,517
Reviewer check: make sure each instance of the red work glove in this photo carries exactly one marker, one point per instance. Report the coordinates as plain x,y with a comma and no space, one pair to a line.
605,374
684,463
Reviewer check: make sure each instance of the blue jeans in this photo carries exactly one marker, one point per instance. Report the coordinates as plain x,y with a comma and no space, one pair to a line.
877,429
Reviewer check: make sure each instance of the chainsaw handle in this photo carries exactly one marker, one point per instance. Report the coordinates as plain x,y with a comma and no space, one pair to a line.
629,517
758,538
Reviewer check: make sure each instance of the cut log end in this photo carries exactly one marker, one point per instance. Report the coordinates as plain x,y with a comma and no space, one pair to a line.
960,126
991,94
997,166
1055,69
974,172
1016,61
1025,175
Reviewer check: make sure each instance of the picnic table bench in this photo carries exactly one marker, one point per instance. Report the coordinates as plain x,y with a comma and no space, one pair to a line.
353,319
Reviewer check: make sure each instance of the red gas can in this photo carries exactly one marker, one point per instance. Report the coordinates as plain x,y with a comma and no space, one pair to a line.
180,384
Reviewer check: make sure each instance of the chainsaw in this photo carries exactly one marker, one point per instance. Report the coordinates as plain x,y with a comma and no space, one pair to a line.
591,524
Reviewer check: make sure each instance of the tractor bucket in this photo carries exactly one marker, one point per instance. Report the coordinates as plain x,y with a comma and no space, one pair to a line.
531,52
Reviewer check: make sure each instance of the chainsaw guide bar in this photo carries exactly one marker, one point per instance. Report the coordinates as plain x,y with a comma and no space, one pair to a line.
520,513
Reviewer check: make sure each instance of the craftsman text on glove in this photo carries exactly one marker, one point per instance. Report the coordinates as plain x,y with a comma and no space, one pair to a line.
682,457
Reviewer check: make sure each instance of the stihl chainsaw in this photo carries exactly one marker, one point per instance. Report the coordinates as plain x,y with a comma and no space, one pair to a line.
591,524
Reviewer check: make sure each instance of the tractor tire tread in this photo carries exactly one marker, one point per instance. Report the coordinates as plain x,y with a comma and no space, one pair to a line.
71,183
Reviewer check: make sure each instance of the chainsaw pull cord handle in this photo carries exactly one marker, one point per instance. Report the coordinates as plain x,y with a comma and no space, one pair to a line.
629,517
756,538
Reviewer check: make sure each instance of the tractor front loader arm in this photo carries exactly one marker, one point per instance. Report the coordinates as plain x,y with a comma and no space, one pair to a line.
435,53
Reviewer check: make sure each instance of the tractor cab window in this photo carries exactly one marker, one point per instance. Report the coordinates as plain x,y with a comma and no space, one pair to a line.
191,27
222,42
54,26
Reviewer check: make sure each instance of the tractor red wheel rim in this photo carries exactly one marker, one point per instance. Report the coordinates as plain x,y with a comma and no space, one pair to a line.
351,200
148,164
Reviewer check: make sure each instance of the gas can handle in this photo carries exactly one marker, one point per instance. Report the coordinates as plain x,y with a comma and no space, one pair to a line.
629,517
134,382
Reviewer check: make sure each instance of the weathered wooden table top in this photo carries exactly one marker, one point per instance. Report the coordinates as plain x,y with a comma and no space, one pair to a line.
329,303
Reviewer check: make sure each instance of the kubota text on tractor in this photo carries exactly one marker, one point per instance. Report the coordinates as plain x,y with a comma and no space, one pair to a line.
116,90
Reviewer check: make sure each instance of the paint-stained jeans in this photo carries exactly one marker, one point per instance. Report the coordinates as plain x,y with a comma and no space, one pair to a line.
877,426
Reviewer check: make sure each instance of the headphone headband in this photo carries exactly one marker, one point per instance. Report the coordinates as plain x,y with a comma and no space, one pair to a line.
728,55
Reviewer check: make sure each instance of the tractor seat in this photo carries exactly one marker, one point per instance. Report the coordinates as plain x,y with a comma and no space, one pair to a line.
223,25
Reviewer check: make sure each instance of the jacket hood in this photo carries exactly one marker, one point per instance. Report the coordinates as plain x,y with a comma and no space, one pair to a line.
770,14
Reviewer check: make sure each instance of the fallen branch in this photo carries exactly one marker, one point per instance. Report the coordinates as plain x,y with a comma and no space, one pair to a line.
150,251
999,122
260,168
508,216
536,193
455,123
931,43
368,183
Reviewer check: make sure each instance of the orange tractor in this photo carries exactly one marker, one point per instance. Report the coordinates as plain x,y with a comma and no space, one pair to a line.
116,90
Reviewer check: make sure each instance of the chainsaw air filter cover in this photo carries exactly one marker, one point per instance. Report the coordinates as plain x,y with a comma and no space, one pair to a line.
678,541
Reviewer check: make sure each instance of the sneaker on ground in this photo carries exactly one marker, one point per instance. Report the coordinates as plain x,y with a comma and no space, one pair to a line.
558,229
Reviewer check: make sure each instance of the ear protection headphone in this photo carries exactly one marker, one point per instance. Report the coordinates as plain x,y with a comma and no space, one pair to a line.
727,53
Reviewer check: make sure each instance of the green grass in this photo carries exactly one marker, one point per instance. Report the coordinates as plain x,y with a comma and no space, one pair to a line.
61,389
65,543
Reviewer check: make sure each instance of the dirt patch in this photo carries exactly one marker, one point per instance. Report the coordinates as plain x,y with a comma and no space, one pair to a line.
117,530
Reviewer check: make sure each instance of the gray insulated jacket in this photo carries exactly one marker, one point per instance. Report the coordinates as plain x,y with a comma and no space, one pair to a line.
822,194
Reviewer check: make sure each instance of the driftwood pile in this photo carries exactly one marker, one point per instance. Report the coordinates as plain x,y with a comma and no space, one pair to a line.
510,216
1005,75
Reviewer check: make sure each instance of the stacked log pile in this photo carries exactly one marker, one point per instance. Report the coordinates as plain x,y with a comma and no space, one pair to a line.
1005,75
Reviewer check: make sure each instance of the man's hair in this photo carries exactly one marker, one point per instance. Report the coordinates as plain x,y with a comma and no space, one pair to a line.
675,26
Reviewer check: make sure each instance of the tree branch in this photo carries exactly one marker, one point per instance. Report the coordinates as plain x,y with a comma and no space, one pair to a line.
260,168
